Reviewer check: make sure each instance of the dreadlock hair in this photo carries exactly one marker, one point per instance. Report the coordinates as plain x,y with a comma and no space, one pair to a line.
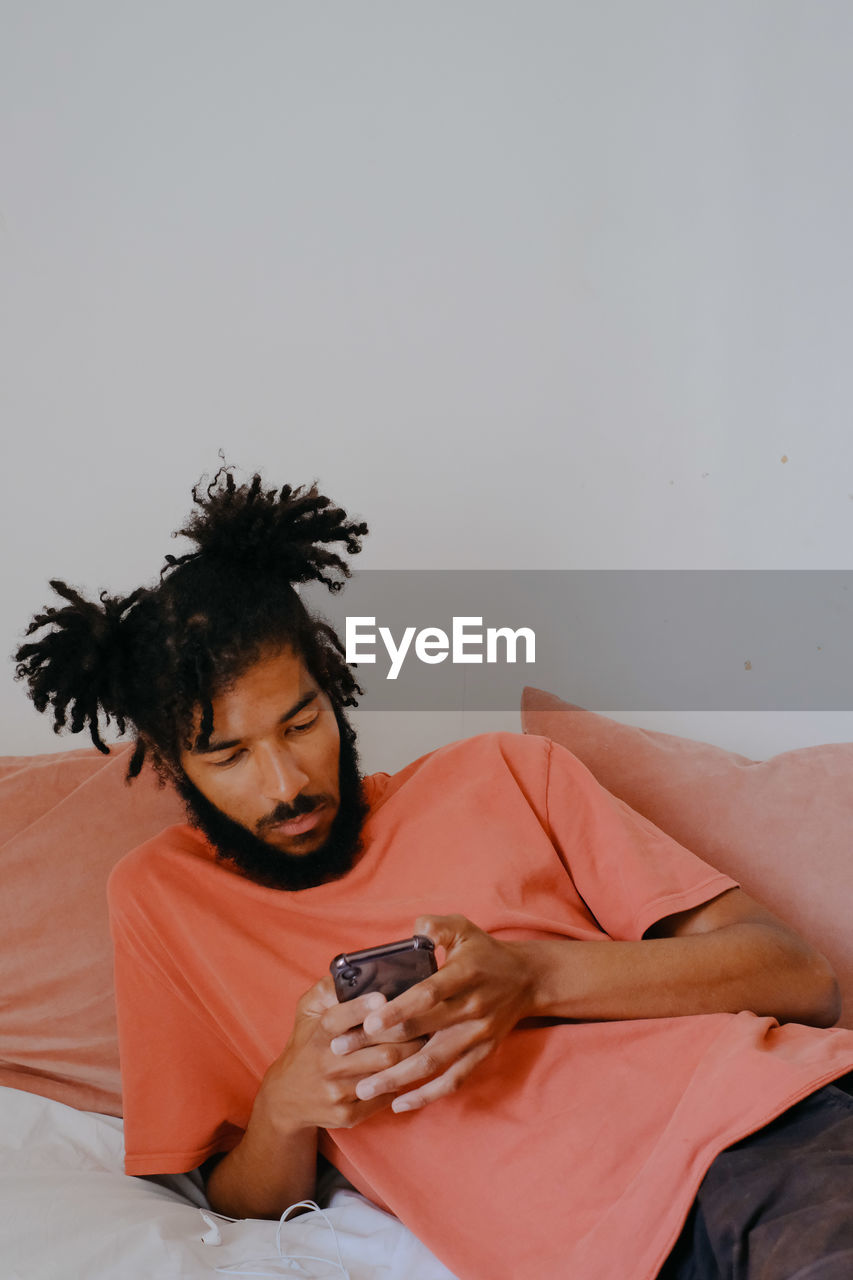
149,660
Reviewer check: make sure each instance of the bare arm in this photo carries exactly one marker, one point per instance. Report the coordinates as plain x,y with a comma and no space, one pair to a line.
267,1171
307,1088
723,957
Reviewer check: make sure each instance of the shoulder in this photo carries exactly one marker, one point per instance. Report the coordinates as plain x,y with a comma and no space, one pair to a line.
166,892
500,750
482,748
487,759
544,772
176,851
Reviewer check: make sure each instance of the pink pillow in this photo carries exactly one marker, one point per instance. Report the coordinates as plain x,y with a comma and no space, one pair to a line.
65,820
783,828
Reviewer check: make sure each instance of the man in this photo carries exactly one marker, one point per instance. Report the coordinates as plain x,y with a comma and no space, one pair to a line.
579,1078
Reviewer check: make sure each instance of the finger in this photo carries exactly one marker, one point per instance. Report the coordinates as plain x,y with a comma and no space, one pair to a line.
372,1061
321,1000
444,931
414,1012
420,1015
357,1038
408,1009
350,1041
340,1018
318,998
431,1005
437,1054
441,1086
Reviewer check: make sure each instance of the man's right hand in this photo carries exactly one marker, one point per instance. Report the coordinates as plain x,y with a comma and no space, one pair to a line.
309,1086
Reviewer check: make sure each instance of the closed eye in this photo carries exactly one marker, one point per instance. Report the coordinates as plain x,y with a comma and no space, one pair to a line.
223,764
304,725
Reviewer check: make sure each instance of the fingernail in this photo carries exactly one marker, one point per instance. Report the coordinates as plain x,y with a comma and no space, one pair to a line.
375,1000
339,1045
372,1023
401,1104
364,1090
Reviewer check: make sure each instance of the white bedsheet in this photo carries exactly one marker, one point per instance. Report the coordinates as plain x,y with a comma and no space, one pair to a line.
68,1212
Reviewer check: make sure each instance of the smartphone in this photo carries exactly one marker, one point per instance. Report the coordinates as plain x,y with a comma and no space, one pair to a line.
391,969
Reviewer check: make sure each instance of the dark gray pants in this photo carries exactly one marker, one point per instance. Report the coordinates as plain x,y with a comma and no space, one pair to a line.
779,1204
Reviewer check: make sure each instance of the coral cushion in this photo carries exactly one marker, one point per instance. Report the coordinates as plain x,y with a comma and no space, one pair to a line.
783,828
65,819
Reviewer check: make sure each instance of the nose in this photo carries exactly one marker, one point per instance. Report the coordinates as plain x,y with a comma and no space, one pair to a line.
280,776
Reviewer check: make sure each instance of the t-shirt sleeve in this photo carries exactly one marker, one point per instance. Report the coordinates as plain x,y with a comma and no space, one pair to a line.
181,1082
629,873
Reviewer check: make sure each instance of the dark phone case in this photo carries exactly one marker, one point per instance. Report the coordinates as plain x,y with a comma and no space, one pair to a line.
390,969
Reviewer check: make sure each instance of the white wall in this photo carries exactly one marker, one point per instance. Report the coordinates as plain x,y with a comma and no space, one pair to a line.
526,284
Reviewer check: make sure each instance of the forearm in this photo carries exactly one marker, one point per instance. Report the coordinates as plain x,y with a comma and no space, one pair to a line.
742,966
266,1172
307,1088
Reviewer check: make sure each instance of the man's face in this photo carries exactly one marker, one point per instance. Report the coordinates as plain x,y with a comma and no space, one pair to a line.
267,785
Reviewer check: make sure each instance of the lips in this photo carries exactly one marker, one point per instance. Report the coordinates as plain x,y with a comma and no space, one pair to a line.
298,826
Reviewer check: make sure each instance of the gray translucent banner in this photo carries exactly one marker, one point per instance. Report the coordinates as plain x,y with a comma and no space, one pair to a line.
761,640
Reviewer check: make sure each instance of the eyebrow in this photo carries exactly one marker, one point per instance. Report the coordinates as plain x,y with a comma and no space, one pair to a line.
212,747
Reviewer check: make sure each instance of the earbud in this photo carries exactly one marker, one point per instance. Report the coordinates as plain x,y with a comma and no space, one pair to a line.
214,1235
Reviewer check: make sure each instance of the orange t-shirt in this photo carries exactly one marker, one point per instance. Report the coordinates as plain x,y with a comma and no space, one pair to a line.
575,1149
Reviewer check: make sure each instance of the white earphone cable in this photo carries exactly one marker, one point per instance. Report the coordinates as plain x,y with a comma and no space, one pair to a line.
289,1260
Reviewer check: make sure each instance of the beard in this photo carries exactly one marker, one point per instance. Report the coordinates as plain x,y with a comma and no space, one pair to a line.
262,862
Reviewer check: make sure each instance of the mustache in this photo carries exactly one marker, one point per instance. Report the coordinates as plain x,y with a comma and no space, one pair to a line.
287,812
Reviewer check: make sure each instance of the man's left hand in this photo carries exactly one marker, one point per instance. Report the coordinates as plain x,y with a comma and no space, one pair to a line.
482,990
